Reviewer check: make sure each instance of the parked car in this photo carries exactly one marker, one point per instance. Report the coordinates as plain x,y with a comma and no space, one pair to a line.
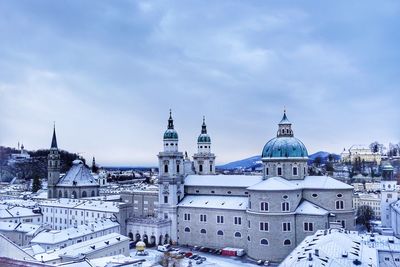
164,248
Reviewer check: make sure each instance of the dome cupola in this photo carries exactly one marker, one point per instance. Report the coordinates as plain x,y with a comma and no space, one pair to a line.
170,133
204,137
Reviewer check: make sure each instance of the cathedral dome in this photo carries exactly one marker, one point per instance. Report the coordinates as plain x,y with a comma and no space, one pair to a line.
285,145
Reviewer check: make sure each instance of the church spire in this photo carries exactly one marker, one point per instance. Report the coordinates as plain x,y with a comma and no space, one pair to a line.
54,139
170,121
204,126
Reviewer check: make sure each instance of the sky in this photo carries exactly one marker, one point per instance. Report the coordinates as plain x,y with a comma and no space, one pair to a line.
107,73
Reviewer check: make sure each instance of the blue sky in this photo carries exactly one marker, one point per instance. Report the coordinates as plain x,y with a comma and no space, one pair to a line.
108,72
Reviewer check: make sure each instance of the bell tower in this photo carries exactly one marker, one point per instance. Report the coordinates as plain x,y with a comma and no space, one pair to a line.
204,160
388,193
170,178
53,167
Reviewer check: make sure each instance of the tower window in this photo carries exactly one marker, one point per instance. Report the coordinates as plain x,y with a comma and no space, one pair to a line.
210,167
165,199
177,168
267,171
295,172
200,168
279,171
166,168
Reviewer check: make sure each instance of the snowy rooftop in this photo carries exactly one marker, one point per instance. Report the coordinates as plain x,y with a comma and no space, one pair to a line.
222,180
273,183
16,212
78,175
215,202
308,208
95,205
337,247
59,236
86,247
28,228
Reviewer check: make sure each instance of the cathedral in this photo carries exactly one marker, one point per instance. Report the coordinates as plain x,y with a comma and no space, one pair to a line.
78,182
266,215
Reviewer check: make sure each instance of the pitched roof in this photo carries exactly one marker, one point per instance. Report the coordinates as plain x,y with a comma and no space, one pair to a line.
78,175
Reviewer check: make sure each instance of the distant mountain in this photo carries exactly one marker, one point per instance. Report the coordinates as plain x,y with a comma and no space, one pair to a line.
252,162
255,161
323,155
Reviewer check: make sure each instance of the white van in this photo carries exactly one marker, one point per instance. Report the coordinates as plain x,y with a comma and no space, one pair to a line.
164,248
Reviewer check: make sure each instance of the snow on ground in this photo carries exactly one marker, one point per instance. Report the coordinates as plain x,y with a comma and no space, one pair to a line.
212,259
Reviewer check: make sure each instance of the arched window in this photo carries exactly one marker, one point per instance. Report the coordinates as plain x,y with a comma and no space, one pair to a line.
220,232
200,168
60,194
73,194
203,231
93,193
287,242
238,234
66,194
264,242
210,167
187,229
84,194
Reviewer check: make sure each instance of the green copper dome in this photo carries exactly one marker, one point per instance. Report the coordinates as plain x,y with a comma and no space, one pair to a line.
204,138
170,134
284,147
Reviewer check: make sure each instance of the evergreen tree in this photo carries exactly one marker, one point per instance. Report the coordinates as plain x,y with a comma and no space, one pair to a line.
37,184
364,215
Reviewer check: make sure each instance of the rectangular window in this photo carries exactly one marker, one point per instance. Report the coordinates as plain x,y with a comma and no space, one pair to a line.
177,168
220,219
248,224
237,220
339,204
264,226
186,217
267,171
308,227
203,217
294,171
286,227
285,206
264,206
279,171
165,199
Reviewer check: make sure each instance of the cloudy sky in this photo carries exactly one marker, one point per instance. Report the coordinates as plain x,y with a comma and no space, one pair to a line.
108,72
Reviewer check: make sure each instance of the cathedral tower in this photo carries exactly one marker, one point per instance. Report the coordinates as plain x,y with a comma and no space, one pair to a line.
388,193
204,160
171,177
53,167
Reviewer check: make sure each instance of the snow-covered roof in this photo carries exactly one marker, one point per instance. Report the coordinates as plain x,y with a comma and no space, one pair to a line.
86,248
308,208
28,228
95,205
78,175
214,202
16,212
337,247
222,180
274,184
321,182
59,236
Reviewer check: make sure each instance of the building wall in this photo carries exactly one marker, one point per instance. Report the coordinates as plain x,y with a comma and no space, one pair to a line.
212,190
144,203
211,238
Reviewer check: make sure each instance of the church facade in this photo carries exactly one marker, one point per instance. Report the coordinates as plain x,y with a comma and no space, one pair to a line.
78,182
266,215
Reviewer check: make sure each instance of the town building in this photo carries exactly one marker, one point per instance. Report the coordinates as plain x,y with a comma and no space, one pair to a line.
372,200
16,214
57,239
103,246
266,215
361,153
20,233
339,247
64,213
78,182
